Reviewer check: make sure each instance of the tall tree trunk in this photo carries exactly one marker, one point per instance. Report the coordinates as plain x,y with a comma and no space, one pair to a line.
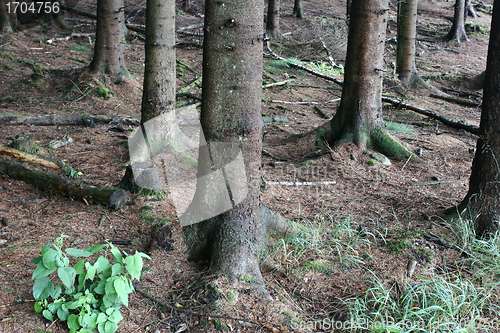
297,9
108,50
482,202
159,74
405,55
229,166
273,18
359,115
457,31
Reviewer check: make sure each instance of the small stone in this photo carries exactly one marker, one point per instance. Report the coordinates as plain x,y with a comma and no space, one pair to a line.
5,221
381,158
419,151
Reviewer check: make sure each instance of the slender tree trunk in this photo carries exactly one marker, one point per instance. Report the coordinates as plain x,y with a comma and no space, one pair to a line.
159,74
359,115
457,31
469,10
273,18
108,50
405,55
229,166
482,202
297,9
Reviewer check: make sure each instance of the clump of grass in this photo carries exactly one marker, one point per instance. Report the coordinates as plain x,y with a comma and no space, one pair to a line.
399,127
326,240
483,253
437,304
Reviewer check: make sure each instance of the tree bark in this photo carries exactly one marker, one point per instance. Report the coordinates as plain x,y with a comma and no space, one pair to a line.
297,9
482,202
359,115
159,74
273,18
108,50
230,163
407,36
110,196
457,31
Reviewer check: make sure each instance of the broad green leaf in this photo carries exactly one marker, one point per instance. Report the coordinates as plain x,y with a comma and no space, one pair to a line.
78,253
110,311
67,276
117,269
116,316
48,315
49,259
57,292
80,266
102,264
36,260
110,327
101,318
42,288
120,286
89,320
62,314
117,254
90,270
96,248
134,265
38,307
41,271
124,299
100,289
110,286
45,248
73,322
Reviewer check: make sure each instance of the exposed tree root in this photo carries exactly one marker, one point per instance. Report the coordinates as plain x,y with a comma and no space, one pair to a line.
242,269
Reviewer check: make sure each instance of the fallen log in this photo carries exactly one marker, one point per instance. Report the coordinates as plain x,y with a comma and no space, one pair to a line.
71,188
32,158
65,119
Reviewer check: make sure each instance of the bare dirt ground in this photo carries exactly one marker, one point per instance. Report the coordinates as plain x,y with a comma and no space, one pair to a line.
395,200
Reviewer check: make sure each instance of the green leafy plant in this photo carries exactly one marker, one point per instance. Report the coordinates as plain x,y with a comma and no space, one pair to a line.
90,295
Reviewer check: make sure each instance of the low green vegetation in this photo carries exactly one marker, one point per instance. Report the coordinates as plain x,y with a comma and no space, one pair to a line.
399,127
87,295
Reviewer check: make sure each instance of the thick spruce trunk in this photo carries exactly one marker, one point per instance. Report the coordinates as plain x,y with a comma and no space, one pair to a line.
108,49
359,115
235,240
482,202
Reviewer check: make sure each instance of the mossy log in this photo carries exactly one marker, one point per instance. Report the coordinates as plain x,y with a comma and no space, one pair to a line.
76,189
66,119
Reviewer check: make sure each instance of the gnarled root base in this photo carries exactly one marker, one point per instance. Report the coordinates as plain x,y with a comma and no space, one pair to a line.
241,269
376,138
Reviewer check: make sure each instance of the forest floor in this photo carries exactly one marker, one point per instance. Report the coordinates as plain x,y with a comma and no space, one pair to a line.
372,222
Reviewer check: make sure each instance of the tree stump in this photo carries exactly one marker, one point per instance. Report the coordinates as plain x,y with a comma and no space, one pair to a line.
141,175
